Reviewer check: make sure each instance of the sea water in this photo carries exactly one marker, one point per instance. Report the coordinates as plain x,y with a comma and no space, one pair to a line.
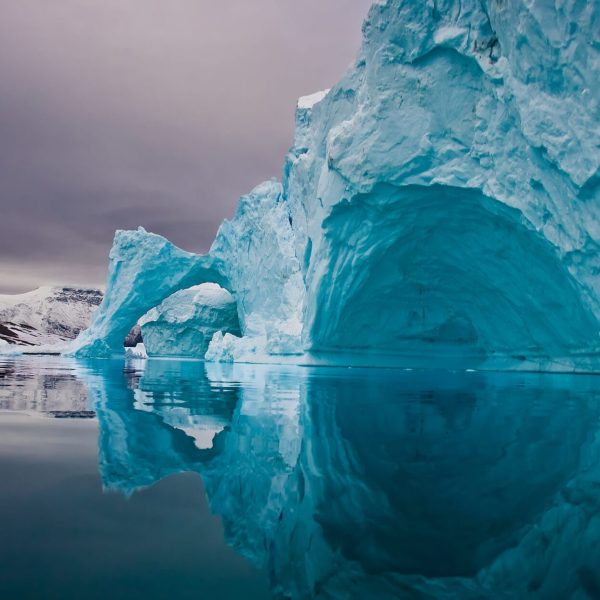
180,479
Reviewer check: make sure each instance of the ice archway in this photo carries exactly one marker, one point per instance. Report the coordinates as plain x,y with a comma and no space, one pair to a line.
252,257
144,270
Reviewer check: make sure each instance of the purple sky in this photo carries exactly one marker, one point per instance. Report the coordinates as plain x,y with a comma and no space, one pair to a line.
119,113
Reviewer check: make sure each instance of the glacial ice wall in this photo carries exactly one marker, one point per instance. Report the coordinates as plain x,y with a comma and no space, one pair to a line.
445,191
440,203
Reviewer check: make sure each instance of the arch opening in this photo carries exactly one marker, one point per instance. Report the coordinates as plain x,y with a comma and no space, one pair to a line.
183,325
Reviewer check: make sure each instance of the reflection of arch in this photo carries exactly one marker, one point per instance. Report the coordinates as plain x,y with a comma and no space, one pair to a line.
443,272
144,270
140,442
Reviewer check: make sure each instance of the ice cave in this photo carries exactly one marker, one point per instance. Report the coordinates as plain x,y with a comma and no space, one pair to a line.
447,274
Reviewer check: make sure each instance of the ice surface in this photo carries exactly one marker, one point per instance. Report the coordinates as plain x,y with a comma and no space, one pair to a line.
307,102
440,204
184,323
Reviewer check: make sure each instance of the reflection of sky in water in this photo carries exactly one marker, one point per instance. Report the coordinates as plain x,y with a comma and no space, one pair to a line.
386,483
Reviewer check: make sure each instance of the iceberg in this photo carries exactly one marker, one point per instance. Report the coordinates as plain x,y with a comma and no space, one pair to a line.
184,324
439,205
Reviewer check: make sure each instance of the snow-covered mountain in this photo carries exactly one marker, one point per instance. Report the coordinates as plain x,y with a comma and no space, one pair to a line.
48,315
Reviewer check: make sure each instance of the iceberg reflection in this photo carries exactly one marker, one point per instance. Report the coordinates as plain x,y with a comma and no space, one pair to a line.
385,483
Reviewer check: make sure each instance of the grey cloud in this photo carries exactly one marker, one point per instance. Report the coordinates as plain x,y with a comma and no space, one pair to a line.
118,113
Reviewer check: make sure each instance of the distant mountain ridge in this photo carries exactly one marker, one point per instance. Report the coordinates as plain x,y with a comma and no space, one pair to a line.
47,315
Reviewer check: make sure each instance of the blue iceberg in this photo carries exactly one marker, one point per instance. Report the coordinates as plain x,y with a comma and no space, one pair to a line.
439,205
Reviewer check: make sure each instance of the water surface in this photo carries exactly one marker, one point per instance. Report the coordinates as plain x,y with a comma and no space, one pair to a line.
179,479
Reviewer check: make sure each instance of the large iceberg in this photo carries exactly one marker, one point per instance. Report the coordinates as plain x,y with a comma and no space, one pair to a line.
440,204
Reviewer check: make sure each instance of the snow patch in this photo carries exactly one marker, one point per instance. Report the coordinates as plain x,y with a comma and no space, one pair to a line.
47,315
307,102
7,349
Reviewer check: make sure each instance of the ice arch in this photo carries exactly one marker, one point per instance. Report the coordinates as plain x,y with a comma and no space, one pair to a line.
443,272
252,257
144,269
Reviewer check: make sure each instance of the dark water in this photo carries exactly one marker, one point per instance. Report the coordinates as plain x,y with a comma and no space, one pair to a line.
172,479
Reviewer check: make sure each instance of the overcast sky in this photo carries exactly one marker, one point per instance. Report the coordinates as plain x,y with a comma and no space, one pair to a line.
119,113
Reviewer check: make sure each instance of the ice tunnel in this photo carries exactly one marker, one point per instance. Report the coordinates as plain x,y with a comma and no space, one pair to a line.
443,273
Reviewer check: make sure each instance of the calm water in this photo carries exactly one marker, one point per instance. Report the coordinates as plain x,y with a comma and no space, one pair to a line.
172,479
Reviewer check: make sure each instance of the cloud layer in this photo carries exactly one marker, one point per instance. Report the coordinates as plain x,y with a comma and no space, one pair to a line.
119,113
